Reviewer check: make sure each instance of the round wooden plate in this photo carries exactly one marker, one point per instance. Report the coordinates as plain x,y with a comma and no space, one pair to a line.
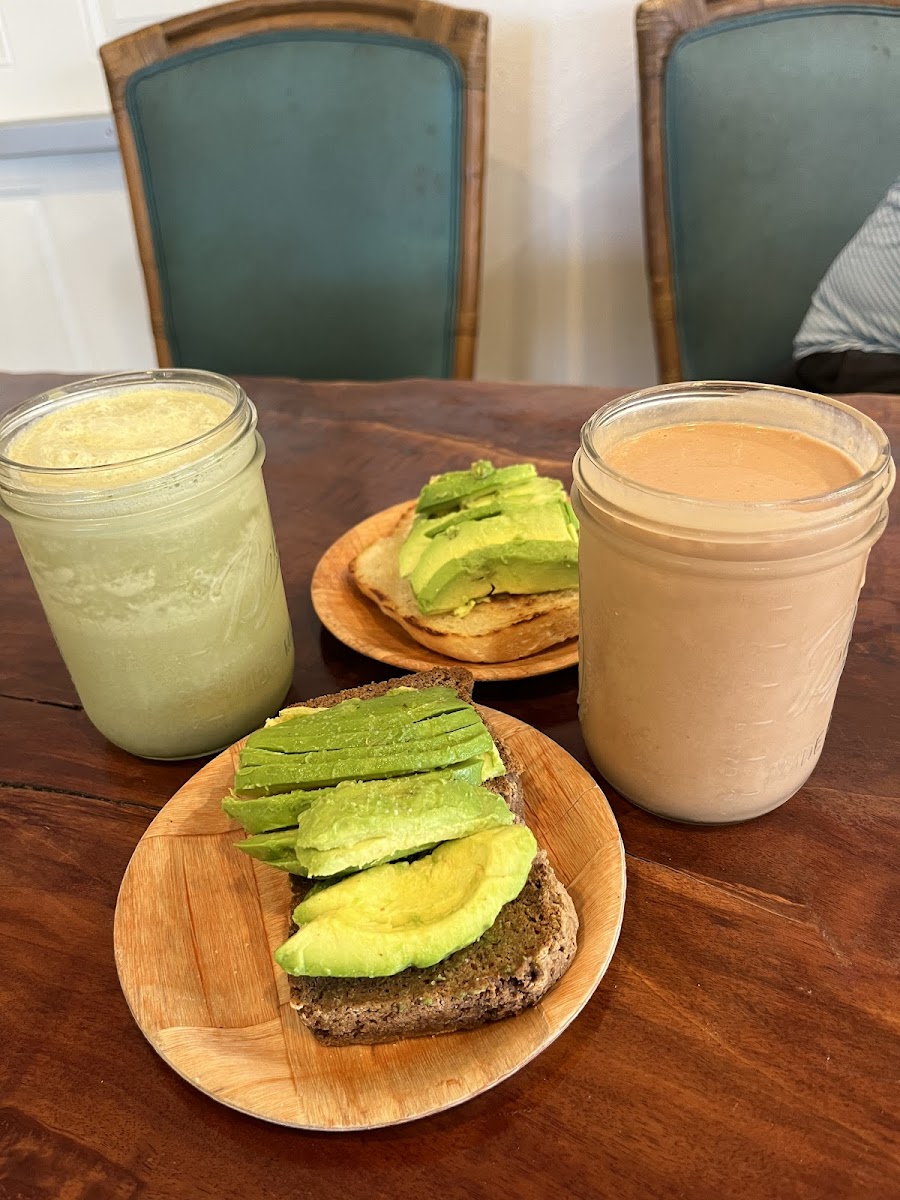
360,624
196,924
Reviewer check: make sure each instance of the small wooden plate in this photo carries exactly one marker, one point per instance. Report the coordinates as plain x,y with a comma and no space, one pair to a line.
196,924
360,624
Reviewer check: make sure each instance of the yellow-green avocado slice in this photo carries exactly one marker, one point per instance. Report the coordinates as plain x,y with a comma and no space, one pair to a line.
401,915
364,824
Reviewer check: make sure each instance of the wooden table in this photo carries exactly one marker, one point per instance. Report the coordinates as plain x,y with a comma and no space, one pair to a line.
744,1043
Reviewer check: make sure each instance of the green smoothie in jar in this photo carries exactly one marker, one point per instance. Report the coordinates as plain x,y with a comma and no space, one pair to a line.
139,506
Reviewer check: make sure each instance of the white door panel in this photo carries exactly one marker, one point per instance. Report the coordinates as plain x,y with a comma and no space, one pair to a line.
71,290
49,74
37,320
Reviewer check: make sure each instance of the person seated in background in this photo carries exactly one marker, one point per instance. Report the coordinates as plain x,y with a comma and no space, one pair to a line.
849,340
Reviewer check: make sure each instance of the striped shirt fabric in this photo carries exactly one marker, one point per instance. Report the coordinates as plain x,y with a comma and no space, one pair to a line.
857,304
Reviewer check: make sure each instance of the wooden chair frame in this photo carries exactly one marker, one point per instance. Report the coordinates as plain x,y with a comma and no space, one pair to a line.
461,32
660,24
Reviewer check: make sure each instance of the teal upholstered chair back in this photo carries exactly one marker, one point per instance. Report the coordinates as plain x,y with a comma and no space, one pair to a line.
306,185
770,133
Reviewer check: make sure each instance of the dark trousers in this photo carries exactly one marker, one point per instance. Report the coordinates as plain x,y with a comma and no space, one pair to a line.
846,371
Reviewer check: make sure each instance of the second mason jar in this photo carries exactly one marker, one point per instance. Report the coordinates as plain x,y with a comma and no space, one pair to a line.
139,506
715,622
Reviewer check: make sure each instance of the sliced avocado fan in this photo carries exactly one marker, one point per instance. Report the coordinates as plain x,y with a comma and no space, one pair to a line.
356,787
484,531
401,733
516,552
353,722
388,918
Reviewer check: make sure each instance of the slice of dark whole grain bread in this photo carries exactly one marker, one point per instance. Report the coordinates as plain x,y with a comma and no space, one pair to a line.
511,966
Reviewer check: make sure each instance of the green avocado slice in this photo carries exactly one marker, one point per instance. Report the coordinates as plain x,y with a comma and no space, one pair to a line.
330,864
400,915
267,813
274,849
533,491
293,738
479,769
359,825
455,487
405,704
424,528
475,510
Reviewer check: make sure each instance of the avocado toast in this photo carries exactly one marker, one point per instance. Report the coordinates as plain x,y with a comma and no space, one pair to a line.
527,934
482,567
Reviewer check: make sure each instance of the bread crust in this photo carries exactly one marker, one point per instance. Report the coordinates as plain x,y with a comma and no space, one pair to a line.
511,967
502,629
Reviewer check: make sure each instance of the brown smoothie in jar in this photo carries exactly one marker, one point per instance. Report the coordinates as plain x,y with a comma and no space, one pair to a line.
708,675
732,461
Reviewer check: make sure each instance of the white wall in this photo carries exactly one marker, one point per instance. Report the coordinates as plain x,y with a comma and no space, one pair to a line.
564,295
563,298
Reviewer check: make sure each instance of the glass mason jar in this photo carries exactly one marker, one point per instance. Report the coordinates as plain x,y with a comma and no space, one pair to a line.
713,634
158,574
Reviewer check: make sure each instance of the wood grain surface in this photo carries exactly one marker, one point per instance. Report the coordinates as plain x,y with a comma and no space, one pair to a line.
360,624
744,1043
197,923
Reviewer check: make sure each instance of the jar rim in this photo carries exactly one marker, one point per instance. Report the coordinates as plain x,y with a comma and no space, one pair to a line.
845,493
241,416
